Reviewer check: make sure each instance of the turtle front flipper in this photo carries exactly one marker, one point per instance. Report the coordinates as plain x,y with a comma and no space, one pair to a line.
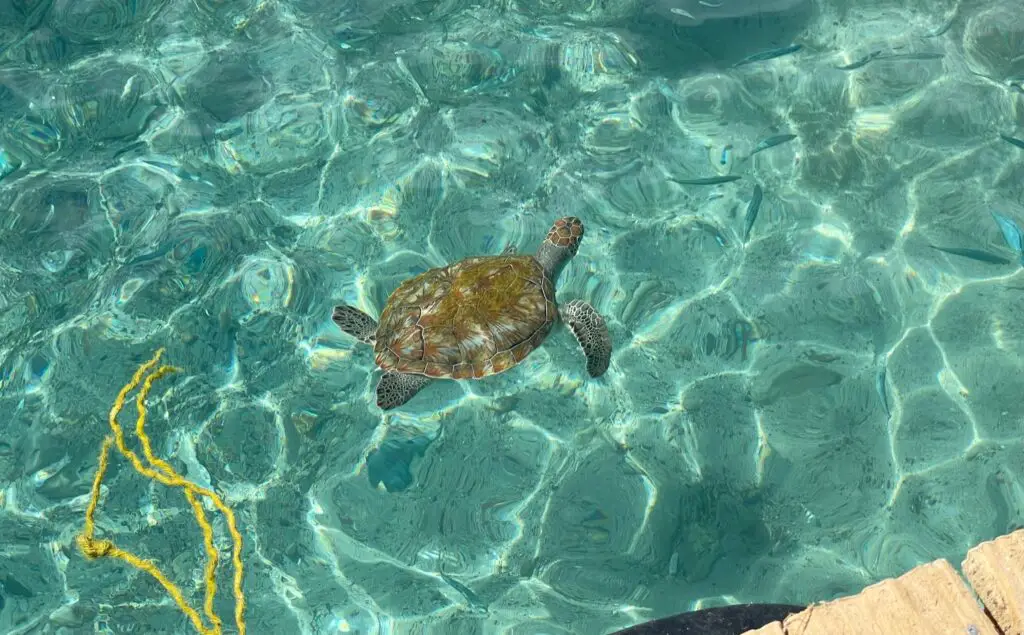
356,323
591,332
394,389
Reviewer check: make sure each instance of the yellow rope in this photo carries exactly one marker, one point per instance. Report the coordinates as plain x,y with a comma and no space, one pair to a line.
160,471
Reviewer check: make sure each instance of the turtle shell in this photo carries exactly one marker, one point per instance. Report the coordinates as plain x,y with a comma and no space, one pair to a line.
473,318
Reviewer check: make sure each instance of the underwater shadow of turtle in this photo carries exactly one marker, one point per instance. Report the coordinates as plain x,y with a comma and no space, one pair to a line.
721,620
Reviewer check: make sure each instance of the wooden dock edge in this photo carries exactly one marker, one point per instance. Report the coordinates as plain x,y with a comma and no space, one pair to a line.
931,599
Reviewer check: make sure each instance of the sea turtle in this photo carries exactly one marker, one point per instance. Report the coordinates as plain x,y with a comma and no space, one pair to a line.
477,317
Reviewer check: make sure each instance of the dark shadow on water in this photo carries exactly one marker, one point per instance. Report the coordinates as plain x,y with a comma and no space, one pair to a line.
724,535
391,463
673,51
722,620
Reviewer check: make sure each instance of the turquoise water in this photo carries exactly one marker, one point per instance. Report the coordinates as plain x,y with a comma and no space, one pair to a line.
806,395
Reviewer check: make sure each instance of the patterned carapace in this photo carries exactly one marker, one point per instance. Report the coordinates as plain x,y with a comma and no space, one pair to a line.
477,317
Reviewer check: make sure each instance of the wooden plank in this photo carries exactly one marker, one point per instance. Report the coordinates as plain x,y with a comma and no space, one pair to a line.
996,571
930,599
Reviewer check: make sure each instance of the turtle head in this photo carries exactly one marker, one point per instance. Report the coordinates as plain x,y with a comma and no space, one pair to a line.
561,244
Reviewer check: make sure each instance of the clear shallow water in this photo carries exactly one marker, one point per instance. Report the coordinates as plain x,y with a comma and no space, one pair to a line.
787,417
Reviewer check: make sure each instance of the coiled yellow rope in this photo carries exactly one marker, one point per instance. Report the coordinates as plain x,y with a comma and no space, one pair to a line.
159,470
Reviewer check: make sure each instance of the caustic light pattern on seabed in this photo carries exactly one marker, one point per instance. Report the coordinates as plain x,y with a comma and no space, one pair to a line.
803,228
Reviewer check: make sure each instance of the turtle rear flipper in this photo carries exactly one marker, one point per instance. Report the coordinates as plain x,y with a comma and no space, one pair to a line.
394,389
591,332
356,323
